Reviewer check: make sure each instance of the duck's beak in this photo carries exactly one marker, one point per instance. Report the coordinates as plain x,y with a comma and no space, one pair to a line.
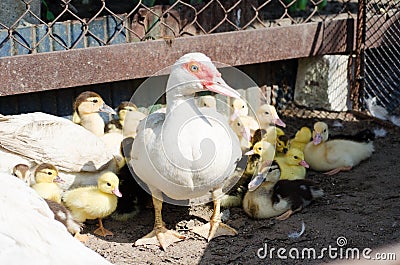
279,122
317,139
256,182
304,164
107,109
58,180
218,85
117,192
249,153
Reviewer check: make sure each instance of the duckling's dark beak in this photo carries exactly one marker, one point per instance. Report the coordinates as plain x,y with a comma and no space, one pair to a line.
285,150
117,192
107,109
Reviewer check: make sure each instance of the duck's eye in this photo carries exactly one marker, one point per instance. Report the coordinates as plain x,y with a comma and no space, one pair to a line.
194,68
49,173
243,107
205,105
108,184
259,149
95,101
324,130
238,124
266,112
295,157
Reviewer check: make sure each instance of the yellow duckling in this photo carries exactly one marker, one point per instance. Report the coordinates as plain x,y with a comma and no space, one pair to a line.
46,177
301,139
276,136
94,202
265,152
292,165
244,127
335,155
238,108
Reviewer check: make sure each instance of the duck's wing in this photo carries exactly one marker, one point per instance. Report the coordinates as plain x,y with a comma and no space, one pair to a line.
41,137
29,234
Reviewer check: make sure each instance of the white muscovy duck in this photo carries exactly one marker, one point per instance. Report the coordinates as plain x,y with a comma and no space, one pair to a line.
36,138
29,234
188,152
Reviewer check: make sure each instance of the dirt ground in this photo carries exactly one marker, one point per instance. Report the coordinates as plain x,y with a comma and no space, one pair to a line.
360,205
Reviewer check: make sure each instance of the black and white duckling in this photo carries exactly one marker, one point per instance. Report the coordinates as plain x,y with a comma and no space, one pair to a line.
334,156
364,136
293,195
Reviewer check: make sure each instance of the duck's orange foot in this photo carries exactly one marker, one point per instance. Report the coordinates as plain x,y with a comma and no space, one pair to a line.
285,215
101,231
214,229
160,236
81,238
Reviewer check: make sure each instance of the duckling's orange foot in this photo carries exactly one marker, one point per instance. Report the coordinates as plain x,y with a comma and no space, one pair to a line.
214,229
160,236
337,170
101,231
81,238
285,215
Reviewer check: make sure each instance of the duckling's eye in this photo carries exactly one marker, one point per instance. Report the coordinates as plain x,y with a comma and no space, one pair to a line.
95,101
266,112
49,173
238,124
108,184
205,105
243,107
259,149
324,130
295,157
194,68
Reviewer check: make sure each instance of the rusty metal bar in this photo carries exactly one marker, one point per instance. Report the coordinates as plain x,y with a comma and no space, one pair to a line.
77,67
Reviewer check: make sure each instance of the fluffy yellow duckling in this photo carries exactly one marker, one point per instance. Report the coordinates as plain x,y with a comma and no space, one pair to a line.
267,115
94,202
87,106
46,177
301,139
335,155
292,164
265,152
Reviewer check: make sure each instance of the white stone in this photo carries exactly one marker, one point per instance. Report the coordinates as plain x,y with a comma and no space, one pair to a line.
322,82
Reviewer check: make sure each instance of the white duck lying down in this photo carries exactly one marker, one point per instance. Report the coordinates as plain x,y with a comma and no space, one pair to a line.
29,234
36,138
335,155
188,152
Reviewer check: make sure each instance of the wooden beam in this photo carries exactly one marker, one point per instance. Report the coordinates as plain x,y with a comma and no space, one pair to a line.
77,67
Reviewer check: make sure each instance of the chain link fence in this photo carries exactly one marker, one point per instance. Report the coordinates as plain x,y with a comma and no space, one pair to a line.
381,55
33,26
